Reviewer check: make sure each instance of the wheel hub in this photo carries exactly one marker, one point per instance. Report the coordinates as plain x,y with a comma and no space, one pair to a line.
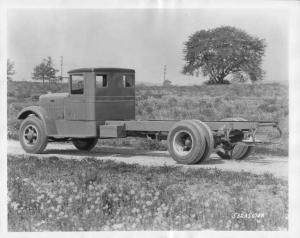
182,143
30,135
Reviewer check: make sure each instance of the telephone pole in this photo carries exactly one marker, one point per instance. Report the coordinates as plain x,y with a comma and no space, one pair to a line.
165,73
61,67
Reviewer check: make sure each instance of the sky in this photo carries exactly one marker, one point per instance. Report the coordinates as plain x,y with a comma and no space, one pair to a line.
142,39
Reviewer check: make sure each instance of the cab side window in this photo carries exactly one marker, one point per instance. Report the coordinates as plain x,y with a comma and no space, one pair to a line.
77,84
127,81
101,81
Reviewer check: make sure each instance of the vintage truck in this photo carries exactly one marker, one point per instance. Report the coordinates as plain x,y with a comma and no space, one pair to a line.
101,104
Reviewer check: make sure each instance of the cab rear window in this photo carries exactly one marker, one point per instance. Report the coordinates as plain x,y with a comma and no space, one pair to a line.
127,81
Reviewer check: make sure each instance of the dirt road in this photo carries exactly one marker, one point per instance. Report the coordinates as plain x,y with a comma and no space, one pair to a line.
257,164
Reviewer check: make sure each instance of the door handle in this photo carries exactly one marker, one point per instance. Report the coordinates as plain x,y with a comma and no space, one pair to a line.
52,100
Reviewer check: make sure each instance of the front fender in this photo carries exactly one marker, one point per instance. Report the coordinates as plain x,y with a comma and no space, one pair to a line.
49,123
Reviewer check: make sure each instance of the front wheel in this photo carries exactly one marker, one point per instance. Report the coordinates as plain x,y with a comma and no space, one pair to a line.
84,144
32,135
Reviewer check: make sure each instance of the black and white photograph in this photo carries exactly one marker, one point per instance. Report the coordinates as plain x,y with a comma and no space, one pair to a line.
149,119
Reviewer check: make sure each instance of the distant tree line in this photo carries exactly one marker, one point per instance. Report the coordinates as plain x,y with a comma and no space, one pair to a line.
45,71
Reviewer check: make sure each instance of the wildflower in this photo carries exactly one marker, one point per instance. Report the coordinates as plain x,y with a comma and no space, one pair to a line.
77,197
92,207
117,226
133,210
61,214
89,199
236,226
59,199
90,187
14,205
70,199
206,204
132,192
97,210
116,199
106,228
87,212
187,226
148,203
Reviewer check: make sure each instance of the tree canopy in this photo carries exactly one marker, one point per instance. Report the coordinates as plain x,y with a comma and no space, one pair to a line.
45,70
222,51
10,69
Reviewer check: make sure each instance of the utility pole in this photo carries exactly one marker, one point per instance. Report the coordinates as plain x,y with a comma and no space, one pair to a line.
165,73
61,67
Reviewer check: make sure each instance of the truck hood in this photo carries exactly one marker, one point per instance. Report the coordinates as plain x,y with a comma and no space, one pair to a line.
50,98
54,95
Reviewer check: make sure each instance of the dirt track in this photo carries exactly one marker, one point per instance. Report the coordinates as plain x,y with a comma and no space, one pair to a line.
258,164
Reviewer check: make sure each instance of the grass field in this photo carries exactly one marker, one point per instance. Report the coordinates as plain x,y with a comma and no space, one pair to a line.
205,102
53,194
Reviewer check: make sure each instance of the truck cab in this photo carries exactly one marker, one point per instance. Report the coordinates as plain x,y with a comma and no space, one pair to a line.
94,96
100,94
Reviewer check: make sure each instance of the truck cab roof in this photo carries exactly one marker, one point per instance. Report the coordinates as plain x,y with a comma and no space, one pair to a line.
100,70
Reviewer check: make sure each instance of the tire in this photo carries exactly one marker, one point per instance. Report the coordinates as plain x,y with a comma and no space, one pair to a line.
84,144
239,152
186,142
209,138
32,135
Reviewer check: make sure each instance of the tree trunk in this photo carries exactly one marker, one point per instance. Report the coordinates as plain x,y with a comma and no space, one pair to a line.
220,78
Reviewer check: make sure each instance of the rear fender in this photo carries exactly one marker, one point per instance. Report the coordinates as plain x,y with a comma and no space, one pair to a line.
48,123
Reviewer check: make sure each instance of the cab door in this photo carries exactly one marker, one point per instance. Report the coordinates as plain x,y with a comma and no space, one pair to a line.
75,103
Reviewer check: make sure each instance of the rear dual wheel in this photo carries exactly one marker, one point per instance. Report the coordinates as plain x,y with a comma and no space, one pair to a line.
239,151
190,142
84,144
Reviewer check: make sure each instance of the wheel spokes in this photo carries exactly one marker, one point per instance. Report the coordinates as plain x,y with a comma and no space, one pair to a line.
30,135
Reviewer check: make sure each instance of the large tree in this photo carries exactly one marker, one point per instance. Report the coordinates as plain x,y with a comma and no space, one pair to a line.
45,70
222,51
10,69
